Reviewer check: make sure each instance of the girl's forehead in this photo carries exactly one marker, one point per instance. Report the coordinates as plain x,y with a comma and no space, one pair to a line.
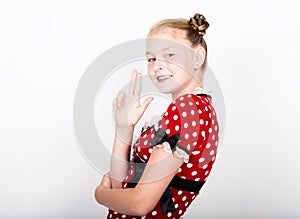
164,41
168,32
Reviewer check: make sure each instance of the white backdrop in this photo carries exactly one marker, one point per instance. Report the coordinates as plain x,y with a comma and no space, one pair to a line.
45,46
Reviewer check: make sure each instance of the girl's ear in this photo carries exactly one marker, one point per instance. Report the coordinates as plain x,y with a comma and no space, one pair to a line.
199,57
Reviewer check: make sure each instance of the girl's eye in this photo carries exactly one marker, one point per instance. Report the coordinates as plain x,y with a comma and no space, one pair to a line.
151,59
169,55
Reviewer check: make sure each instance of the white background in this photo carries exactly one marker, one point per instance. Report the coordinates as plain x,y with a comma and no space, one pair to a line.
45,46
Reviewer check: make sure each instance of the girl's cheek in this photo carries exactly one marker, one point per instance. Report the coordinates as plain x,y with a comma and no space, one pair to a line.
150,69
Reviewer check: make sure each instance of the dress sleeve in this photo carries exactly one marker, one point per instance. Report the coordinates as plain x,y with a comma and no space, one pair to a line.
179,126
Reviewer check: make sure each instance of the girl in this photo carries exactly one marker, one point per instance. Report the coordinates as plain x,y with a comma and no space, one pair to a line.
172,159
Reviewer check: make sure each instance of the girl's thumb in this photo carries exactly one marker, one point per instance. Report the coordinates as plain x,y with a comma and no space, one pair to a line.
146,103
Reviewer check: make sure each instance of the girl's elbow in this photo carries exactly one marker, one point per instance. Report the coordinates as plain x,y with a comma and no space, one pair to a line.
141,206
140,209
98,195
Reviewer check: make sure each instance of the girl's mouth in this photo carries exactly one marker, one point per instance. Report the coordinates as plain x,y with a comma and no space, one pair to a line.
163,77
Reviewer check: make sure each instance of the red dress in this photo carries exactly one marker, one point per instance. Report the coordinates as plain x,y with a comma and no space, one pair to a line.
190,128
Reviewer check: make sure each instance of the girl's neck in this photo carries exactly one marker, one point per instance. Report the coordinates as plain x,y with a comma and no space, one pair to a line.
189,89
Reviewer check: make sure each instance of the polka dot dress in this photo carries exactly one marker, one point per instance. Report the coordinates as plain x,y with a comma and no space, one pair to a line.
194,119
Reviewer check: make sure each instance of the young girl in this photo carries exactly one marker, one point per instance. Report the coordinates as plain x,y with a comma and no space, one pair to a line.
172,159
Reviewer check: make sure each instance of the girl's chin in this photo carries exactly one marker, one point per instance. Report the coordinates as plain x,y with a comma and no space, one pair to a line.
163,89
166,89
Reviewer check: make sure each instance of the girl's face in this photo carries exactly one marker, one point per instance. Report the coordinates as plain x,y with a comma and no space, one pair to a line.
170,62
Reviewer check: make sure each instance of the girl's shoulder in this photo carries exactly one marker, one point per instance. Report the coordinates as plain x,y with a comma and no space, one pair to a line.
190,101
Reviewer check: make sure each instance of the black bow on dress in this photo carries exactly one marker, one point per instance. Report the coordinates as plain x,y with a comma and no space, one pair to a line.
161,137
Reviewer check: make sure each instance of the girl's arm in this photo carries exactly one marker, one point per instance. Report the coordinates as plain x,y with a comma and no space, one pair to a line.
159,171
127,110
120,156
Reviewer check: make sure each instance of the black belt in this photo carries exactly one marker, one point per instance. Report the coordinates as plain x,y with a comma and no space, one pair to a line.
166,202
186,184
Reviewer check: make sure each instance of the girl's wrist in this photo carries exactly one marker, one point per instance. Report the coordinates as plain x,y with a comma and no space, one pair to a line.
125,127
126,130
125,134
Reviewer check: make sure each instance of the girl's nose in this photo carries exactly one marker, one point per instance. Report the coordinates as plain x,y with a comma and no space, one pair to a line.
159,65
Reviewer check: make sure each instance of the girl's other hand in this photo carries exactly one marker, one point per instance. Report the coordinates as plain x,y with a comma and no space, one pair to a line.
127,107
105,182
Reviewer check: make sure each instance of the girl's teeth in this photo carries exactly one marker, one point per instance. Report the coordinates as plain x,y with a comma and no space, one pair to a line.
160,78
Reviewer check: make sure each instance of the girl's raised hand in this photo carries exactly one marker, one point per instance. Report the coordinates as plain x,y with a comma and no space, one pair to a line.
127,107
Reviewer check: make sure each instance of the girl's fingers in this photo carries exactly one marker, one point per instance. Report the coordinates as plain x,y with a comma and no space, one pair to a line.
132,82
138,87
115,104
120,96
106,181
146,103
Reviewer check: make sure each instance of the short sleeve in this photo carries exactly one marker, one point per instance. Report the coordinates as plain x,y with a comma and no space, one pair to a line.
181,123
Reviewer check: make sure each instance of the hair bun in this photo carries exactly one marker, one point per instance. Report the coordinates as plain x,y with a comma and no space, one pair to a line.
199,23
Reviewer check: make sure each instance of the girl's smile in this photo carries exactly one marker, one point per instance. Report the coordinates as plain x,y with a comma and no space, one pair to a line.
163,78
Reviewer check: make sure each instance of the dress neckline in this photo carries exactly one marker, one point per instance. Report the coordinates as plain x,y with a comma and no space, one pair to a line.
199,91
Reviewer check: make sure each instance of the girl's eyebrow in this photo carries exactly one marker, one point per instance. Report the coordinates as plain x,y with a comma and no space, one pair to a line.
167,48
149,53
163,50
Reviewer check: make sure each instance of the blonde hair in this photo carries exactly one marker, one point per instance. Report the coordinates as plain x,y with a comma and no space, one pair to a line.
195,29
